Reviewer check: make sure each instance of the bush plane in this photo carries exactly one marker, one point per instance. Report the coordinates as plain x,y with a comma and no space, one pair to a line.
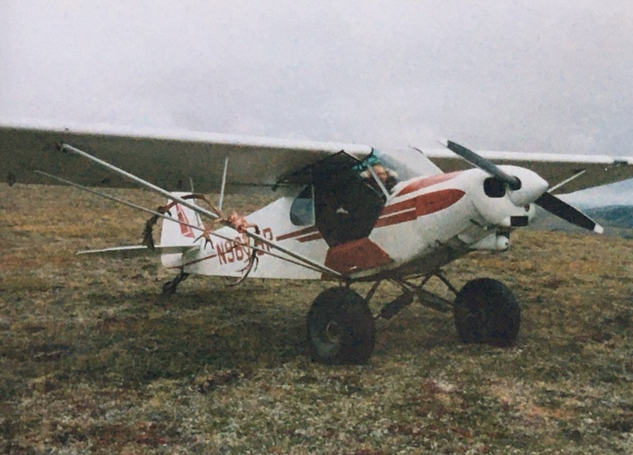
348,213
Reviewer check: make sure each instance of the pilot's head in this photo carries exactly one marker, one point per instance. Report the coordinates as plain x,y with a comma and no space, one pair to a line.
381,172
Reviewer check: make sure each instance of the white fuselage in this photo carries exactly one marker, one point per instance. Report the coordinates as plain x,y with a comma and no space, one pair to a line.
425,223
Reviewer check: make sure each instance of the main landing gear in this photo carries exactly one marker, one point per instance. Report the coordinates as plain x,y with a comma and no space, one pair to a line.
342,330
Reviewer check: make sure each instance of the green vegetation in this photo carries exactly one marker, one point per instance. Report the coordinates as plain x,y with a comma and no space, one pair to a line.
94,360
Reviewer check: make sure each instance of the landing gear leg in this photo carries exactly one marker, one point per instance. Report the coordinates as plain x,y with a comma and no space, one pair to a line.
411,291
169,288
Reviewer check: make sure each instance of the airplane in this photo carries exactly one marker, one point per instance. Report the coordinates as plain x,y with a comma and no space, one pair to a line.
346,213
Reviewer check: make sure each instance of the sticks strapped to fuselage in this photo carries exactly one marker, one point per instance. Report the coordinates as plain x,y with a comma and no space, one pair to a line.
169,218
306,262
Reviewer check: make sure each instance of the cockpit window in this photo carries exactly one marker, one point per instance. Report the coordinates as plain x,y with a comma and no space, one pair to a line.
302,209
378,175
405,163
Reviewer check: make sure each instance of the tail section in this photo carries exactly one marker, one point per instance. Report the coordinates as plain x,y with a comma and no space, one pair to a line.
176,239
181,234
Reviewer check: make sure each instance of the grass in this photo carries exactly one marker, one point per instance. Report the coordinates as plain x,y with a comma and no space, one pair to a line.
94,360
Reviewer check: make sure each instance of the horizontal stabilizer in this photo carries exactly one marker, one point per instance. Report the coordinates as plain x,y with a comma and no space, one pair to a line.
140,250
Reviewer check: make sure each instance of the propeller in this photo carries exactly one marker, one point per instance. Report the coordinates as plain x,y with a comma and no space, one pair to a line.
547,201
478,161
565,211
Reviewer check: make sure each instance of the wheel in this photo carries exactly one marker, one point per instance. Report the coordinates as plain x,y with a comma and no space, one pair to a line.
169,288
341,328
486,311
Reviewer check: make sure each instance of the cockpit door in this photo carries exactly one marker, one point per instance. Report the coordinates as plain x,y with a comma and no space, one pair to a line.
346,206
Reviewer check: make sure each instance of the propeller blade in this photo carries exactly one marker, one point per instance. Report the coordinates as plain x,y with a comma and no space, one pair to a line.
482,163
565,211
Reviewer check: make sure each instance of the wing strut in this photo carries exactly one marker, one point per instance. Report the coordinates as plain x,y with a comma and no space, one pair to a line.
306,261
226,167
69,148
566,181
166,217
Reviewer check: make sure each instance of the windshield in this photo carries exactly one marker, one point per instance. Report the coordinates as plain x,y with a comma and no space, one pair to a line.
406,163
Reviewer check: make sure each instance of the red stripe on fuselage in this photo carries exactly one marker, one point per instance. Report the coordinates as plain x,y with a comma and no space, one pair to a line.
418,206
300,232
425,182
309,238
396,218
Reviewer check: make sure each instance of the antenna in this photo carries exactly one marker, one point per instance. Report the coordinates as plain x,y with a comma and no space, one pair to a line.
226,166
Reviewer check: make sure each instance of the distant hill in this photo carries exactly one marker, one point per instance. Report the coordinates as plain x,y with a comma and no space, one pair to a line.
617,220
614,215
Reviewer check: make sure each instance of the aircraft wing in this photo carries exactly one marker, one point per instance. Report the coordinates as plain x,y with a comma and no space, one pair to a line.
585,171
169,159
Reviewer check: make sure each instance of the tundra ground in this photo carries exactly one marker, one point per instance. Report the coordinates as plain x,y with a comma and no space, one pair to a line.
94,360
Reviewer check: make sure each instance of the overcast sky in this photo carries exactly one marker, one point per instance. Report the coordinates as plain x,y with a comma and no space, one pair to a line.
532,75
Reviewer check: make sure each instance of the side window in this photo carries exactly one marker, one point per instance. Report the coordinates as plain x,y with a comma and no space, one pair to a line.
302,209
